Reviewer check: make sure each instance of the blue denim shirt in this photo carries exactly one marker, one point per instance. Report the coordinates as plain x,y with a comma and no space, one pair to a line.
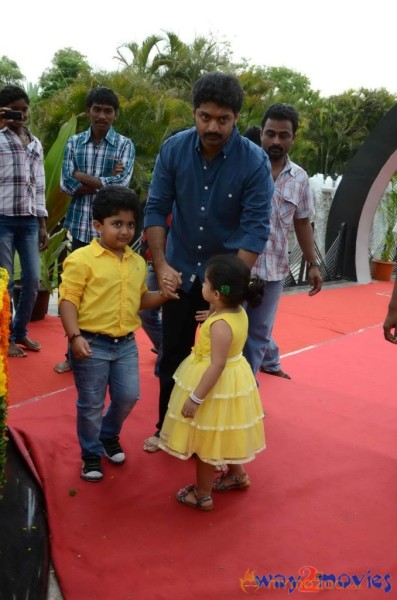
218,206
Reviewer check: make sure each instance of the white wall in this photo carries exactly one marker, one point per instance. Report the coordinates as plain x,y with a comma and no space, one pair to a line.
323,191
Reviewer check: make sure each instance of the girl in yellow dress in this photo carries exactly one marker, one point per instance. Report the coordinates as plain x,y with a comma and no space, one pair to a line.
215,411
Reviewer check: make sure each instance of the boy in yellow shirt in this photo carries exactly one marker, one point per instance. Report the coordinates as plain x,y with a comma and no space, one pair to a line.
103,288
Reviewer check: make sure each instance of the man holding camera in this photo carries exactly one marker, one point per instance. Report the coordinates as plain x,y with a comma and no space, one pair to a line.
22,210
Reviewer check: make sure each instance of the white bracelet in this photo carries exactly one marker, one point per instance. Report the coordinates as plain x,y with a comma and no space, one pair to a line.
194,398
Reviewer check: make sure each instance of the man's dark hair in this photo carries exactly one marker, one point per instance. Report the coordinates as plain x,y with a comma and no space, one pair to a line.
102,95
111,199
253,133
282,112
12,93
221,88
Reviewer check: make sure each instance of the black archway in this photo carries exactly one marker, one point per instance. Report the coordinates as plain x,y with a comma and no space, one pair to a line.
359,194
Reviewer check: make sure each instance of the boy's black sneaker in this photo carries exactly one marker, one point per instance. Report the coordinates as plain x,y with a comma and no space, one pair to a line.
92,469
113,450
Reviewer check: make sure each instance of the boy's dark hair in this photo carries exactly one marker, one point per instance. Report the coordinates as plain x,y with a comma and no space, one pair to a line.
253,133
111,199
230,276
222,88
11,93
282,112
102,95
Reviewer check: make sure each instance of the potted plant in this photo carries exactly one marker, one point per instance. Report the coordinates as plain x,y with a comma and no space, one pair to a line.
382,268
57,203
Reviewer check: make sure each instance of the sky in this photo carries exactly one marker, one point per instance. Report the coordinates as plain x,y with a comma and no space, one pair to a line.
338,45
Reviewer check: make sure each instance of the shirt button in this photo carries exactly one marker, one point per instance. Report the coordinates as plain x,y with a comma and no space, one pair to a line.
230,195
206,187
199,247
201,228
199,264
202,208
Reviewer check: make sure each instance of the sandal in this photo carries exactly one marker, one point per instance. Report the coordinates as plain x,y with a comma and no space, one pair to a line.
28,344
199,503
228,481
151,444
63,367
16,351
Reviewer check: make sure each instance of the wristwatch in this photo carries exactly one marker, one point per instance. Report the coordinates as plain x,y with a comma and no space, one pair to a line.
313,263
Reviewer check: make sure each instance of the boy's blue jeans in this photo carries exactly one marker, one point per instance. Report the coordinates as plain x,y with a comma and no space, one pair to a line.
21,234
113,365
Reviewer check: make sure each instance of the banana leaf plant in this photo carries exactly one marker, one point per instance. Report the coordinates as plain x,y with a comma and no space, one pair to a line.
57,203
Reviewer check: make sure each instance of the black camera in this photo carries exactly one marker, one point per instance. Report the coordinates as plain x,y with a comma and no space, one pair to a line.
15,115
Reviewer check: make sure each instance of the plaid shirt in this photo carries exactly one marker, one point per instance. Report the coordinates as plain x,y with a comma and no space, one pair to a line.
22,180
291,200
98,160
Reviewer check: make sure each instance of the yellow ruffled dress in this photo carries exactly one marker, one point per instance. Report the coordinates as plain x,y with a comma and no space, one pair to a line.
228,426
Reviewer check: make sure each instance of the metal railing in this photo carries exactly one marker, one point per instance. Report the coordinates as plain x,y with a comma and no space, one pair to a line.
331,266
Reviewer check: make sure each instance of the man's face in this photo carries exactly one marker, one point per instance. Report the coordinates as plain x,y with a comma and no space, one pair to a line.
214,125
101,117
23,107
277,138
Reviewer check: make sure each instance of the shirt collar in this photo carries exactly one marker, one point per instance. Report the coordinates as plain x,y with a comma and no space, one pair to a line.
227,147
110,137
98,250
290,166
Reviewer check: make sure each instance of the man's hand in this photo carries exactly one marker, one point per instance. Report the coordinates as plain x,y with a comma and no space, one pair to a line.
315,280
169,281
202,315
3,120
117,169
43,239
390,325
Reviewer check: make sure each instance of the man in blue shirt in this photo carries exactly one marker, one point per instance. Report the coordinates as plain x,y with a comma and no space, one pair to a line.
218,187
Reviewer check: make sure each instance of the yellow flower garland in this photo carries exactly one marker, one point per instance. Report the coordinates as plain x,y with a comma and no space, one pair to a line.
5,317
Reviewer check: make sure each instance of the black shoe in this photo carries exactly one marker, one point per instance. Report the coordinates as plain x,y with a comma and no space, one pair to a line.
113,450
278,373
92,469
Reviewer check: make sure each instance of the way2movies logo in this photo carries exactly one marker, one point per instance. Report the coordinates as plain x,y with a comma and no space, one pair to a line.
310,579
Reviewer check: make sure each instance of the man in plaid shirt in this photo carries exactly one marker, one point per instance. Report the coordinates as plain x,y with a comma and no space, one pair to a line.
22,211
291,204
93,159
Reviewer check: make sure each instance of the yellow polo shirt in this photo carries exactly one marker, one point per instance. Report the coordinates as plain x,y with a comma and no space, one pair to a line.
105,290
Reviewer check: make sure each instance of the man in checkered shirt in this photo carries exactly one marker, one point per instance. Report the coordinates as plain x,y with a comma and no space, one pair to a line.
22,211
292,204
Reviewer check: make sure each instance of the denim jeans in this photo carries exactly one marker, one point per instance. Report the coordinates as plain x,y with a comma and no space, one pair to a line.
21,234
260,348
113,365
151,319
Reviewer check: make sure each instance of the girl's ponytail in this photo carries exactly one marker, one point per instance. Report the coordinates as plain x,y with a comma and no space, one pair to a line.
255,290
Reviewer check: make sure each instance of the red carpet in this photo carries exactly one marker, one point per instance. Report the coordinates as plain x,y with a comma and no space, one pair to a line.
324,492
